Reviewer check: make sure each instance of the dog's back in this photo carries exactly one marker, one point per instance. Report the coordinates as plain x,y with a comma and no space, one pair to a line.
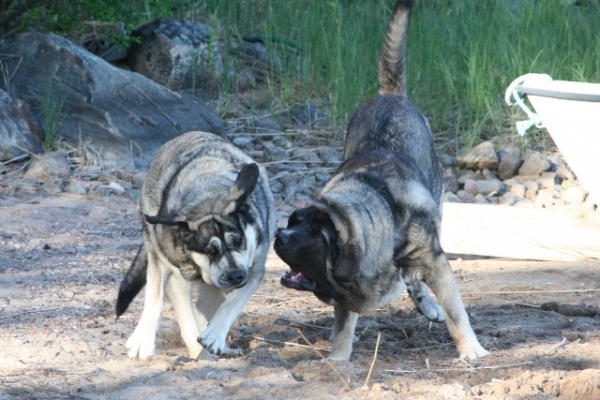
389,120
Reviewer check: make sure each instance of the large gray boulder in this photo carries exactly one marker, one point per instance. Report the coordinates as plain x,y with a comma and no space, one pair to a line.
19,134
177,54
121,114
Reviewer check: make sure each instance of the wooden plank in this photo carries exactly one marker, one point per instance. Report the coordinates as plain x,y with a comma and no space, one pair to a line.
520,233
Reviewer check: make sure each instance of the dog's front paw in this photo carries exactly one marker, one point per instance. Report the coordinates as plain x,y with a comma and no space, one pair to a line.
431,310
140,346
214,340
472,351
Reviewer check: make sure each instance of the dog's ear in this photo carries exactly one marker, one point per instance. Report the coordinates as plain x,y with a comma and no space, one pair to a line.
168,219
347,266
242,188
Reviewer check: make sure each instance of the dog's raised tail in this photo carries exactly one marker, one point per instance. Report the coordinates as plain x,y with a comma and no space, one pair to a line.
392,64
134,281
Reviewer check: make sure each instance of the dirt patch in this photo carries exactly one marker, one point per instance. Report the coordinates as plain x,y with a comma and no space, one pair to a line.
62,258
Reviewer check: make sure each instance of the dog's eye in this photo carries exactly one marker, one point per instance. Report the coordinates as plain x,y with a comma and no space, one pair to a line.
315,228
212,251
237,241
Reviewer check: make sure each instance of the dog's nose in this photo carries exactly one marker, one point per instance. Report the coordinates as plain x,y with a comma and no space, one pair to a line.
281,238
236,277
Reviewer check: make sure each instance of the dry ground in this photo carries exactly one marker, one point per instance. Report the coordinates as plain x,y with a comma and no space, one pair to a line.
62,258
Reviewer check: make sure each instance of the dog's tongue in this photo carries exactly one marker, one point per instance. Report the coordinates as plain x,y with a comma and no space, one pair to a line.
297,277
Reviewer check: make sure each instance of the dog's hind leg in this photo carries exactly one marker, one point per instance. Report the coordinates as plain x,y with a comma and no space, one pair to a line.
441,280
343,333
419,294
179,292
142,343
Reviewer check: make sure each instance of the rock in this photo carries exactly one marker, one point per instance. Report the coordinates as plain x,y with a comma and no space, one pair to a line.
450,197
547,180
76,188
451,183
518,190
257,55
273,153
481,199
534,163
574,195
465,196
244,142
176,54
468,174
546,198
48,167
508,198
531,190
479,157
489,187
469,186
122,115
19,133
329,155
509,166
447,160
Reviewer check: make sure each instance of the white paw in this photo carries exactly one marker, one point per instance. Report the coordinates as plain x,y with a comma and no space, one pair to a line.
432,311
214,340
140,346
472,352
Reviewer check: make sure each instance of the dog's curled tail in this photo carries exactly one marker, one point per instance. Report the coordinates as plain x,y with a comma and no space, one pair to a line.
134,281
392,64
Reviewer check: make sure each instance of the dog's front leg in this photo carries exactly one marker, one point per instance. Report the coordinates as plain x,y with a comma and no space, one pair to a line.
441,280
214,337
343,333
142,342
179,293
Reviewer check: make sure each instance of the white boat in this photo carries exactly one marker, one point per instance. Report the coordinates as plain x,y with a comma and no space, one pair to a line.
570,111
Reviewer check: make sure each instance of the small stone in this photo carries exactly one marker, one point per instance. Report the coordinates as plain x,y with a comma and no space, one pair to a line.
468,174
509,166
489,187
574,195
481,199
243,142
508,198
481,156
48,166
76,188
116,187
470,186
534,163
450,197
547,179
518,190
447,160
466,197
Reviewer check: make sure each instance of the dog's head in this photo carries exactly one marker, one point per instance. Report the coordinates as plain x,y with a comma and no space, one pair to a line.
218,248
319,261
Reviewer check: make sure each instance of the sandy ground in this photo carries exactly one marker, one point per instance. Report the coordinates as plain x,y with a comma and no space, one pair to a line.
62,258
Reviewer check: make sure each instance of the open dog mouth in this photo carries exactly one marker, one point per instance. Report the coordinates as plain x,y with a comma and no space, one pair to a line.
297,280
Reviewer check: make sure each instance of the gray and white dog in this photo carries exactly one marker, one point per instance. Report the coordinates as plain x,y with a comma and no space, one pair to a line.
376,224
208,222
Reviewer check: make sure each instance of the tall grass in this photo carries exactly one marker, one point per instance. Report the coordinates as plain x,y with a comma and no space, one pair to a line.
462,54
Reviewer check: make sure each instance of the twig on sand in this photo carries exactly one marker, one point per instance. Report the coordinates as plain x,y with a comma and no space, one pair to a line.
324,359
374,359
287,343
471,368
556,346
33,311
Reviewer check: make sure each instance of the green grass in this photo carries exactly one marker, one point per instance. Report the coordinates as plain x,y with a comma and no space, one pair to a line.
462,54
